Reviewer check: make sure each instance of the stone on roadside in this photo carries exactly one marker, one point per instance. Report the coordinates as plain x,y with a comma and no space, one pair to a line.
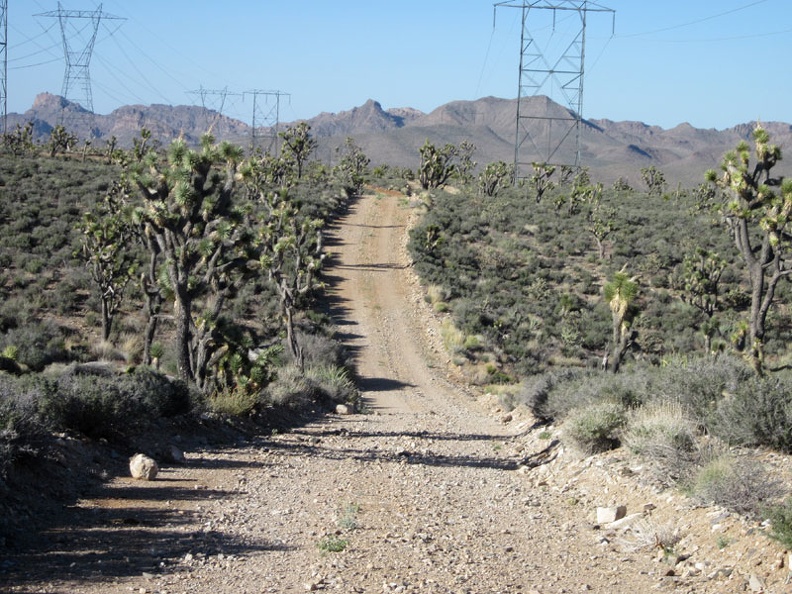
344,409
755,583
606,515
143,467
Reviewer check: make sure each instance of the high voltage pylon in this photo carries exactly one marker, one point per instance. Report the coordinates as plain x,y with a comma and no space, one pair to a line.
545,137
4,65
270,116
78,44
213,102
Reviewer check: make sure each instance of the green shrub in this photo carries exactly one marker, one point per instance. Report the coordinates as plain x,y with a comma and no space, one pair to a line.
596,428
334,383
333,544
291,389
780,516
758,412
739,485
662,432
233,402
38,344
699,383
112,406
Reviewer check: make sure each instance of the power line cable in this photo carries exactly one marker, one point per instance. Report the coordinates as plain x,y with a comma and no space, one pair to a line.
26,66
697,21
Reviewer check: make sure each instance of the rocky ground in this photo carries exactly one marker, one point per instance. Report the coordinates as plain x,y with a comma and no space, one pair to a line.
430,489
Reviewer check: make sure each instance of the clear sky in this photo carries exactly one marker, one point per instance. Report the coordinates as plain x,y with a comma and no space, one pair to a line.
711,63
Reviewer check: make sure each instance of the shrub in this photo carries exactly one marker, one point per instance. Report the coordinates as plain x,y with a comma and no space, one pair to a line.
596,429
759,412
700,382
234,402
333,544
112,406
738,485
334,383
780,516
535,391
663,433
20,425
38,344
291,389
319,350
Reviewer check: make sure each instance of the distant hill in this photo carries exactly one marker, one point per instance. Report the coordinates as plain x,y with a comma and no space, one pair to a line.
393,136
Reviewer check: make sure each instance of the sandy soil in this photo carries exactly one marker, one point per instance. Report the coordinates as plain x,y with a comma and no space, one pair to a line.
432,489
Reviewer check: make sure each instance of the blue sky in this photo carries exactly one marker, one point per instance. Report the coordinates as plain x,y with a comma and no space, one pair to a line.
713,64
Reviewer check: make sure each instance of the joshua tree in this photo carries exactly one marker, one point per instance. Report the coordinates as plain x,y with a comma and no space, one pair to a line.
298,144
756,208
189,210
437,165
620,293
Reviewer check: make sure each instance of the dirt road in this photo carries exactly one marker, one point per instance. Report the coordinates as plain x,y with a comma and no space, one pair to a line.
421,494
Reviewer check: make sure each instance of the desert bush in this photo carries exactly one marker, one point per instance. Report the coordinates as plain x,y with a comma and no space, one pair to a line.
589,388
658,429
757,412
663,433
535,390
700,382
38,344
233,402
111,406
322,350
596,428
334,383
780,516
291,389
737,484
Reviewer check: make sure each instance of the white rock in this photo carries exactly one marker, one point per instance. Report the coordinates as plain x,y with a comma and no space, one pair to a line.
143,467
755,584
625,522
344,409
606,515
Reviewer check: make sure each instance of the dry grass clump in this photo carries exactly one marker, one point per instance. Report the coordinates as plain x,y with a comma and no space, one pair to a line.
664,433
643,534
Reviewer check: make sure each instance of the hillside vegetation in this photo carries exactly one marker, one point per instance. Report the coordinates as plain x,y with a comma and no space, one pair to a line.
155,282
646,317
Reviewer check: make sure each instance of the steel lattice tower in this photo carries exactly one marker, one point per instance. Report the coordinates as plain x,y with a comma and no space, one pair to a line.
549,135
271,118
4,65
220,96
77,78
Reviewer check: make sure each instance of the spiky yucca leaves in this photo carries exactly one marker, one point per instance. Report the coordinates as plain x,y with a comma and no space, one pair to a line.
620,294
200,237
756,208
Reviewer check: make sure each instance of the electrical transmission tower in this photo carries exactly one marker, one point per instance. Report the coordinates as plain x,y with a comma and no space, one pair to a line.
78,30
4,65
268,116
552,65
213,102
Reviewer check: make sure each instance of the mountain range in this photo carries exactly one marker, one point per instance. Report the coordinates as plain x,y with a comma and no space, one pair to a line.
609,149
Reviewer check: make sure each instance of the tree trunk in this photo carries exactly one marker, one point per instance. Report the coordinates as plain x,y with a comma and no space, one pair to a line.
107,320
182,307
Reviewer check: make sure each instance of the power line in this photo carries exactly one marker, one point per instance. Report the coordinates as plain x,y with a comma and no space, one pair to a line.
271,117
697,21
543,135
78,59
